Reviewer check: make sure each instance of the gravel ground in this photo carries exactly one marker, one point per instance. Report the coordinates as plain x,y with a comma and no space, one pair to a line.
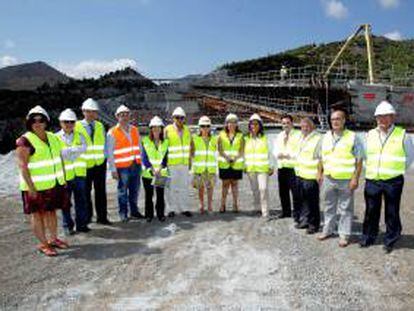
215,261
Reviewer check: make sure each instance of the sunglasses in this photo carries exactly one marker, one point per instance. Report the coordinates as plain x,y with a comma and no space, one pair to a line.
69,122
39,120
179,118
205,126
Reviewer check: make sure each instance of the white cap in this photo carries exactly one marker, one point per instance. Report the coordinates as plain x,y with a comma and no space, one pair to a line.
256,117
90,104
67,115
38,110
384,108
204,120
156,121
231,117
178,112
122,108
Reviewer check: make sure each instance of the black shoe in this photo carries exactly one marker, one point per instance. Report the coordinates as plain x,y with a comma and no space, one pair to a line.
388,249
124,220
280,216
311,230
149,219
171,214
137,216
365,243
187,213
301,226
105,222
83,230
162,219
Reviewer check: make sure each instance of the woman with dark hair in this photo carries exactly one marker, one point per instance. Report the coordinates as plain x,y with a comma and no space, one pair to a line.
257,164
230,146
42,178
155,172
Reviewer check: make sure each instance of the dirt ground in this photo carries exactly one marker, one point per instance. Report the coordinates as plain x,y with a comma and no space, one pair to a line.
215,261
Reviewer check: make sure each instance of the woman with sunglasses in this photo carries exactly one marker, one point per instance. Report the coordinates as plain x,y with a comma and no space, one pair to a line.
257,164
73,154
204,162
230,146
42,178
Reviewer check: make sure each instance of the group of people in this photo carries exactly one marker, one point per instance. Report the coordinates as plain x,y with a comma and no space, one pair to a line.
311,167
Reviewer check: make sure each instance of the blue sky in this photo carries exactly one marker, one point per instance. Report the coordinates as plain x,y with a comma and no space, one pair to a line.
172,38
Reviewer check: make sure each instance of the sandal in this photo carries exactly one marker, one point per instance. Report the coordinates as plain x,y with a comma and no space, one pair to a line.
343,243
324,236
47,250
59,244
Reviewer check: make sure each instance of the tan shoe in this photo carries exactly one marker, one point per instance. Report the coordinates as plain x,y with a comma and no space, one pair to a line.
323,236
343,242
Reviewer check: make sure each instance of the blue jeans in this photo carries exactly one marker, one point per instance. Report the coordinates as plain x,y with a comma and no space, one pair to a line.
128,189
77,187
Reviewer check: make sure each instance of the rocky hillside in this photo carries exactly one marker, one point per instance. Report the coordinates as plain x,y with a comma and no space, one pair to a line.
30,76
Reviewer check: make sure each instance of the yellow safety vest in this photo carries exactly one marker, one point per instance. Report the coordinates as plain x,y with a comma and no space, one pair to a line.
230,149
75,168
388,160
95,147
155,156
179,146
256,154
306,166
45,165
288,149
338,160
205,155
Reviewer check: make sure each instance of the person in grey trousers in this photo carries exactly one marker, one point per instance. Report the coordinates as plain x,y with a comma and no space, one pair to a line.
340,154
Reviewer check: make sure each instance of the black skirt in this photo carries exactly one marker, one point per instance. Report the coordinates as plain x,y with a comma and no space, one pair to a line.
229,173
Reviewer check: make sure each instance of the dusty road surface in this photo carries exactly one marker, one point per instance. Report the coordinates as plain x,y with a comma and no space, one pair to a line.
209,262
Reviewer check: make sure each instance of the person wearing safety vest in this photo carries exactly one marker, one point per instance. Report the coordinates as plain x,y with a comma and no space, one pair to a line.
204,162
94,133
306,168
73,147
340,166
389,152
257,164
230,145
41,179
179,142
154,160
286,143
124,161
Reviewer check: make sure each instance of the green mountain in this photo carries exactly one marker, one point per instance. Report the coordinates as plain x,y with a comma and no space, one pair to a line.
389,56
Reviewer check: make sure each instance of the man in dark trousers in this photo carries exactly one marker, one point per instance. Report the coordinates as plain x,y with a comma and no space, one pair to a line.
94,133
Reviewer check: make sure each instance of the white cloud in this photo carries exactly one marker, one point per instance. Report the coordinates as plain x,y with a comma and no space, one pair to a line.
9,44
8,60
394,35
335,9
389,4
94,68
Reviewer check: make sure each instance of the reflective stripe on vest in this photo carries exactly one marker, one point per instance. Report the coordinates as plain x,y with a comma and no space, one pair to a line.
126,151
45,165
179,146
288,149
155,156
256,154
230,149
388,160
77,167
306,166
94,154
205,155
338,160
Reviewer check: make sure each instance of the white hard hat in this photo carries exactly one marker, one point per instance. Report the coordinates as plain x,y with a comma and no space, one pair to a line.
204,120
256,117
384,108
178,112
90,104
231,117
38,110
156,121
122,108
67,115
